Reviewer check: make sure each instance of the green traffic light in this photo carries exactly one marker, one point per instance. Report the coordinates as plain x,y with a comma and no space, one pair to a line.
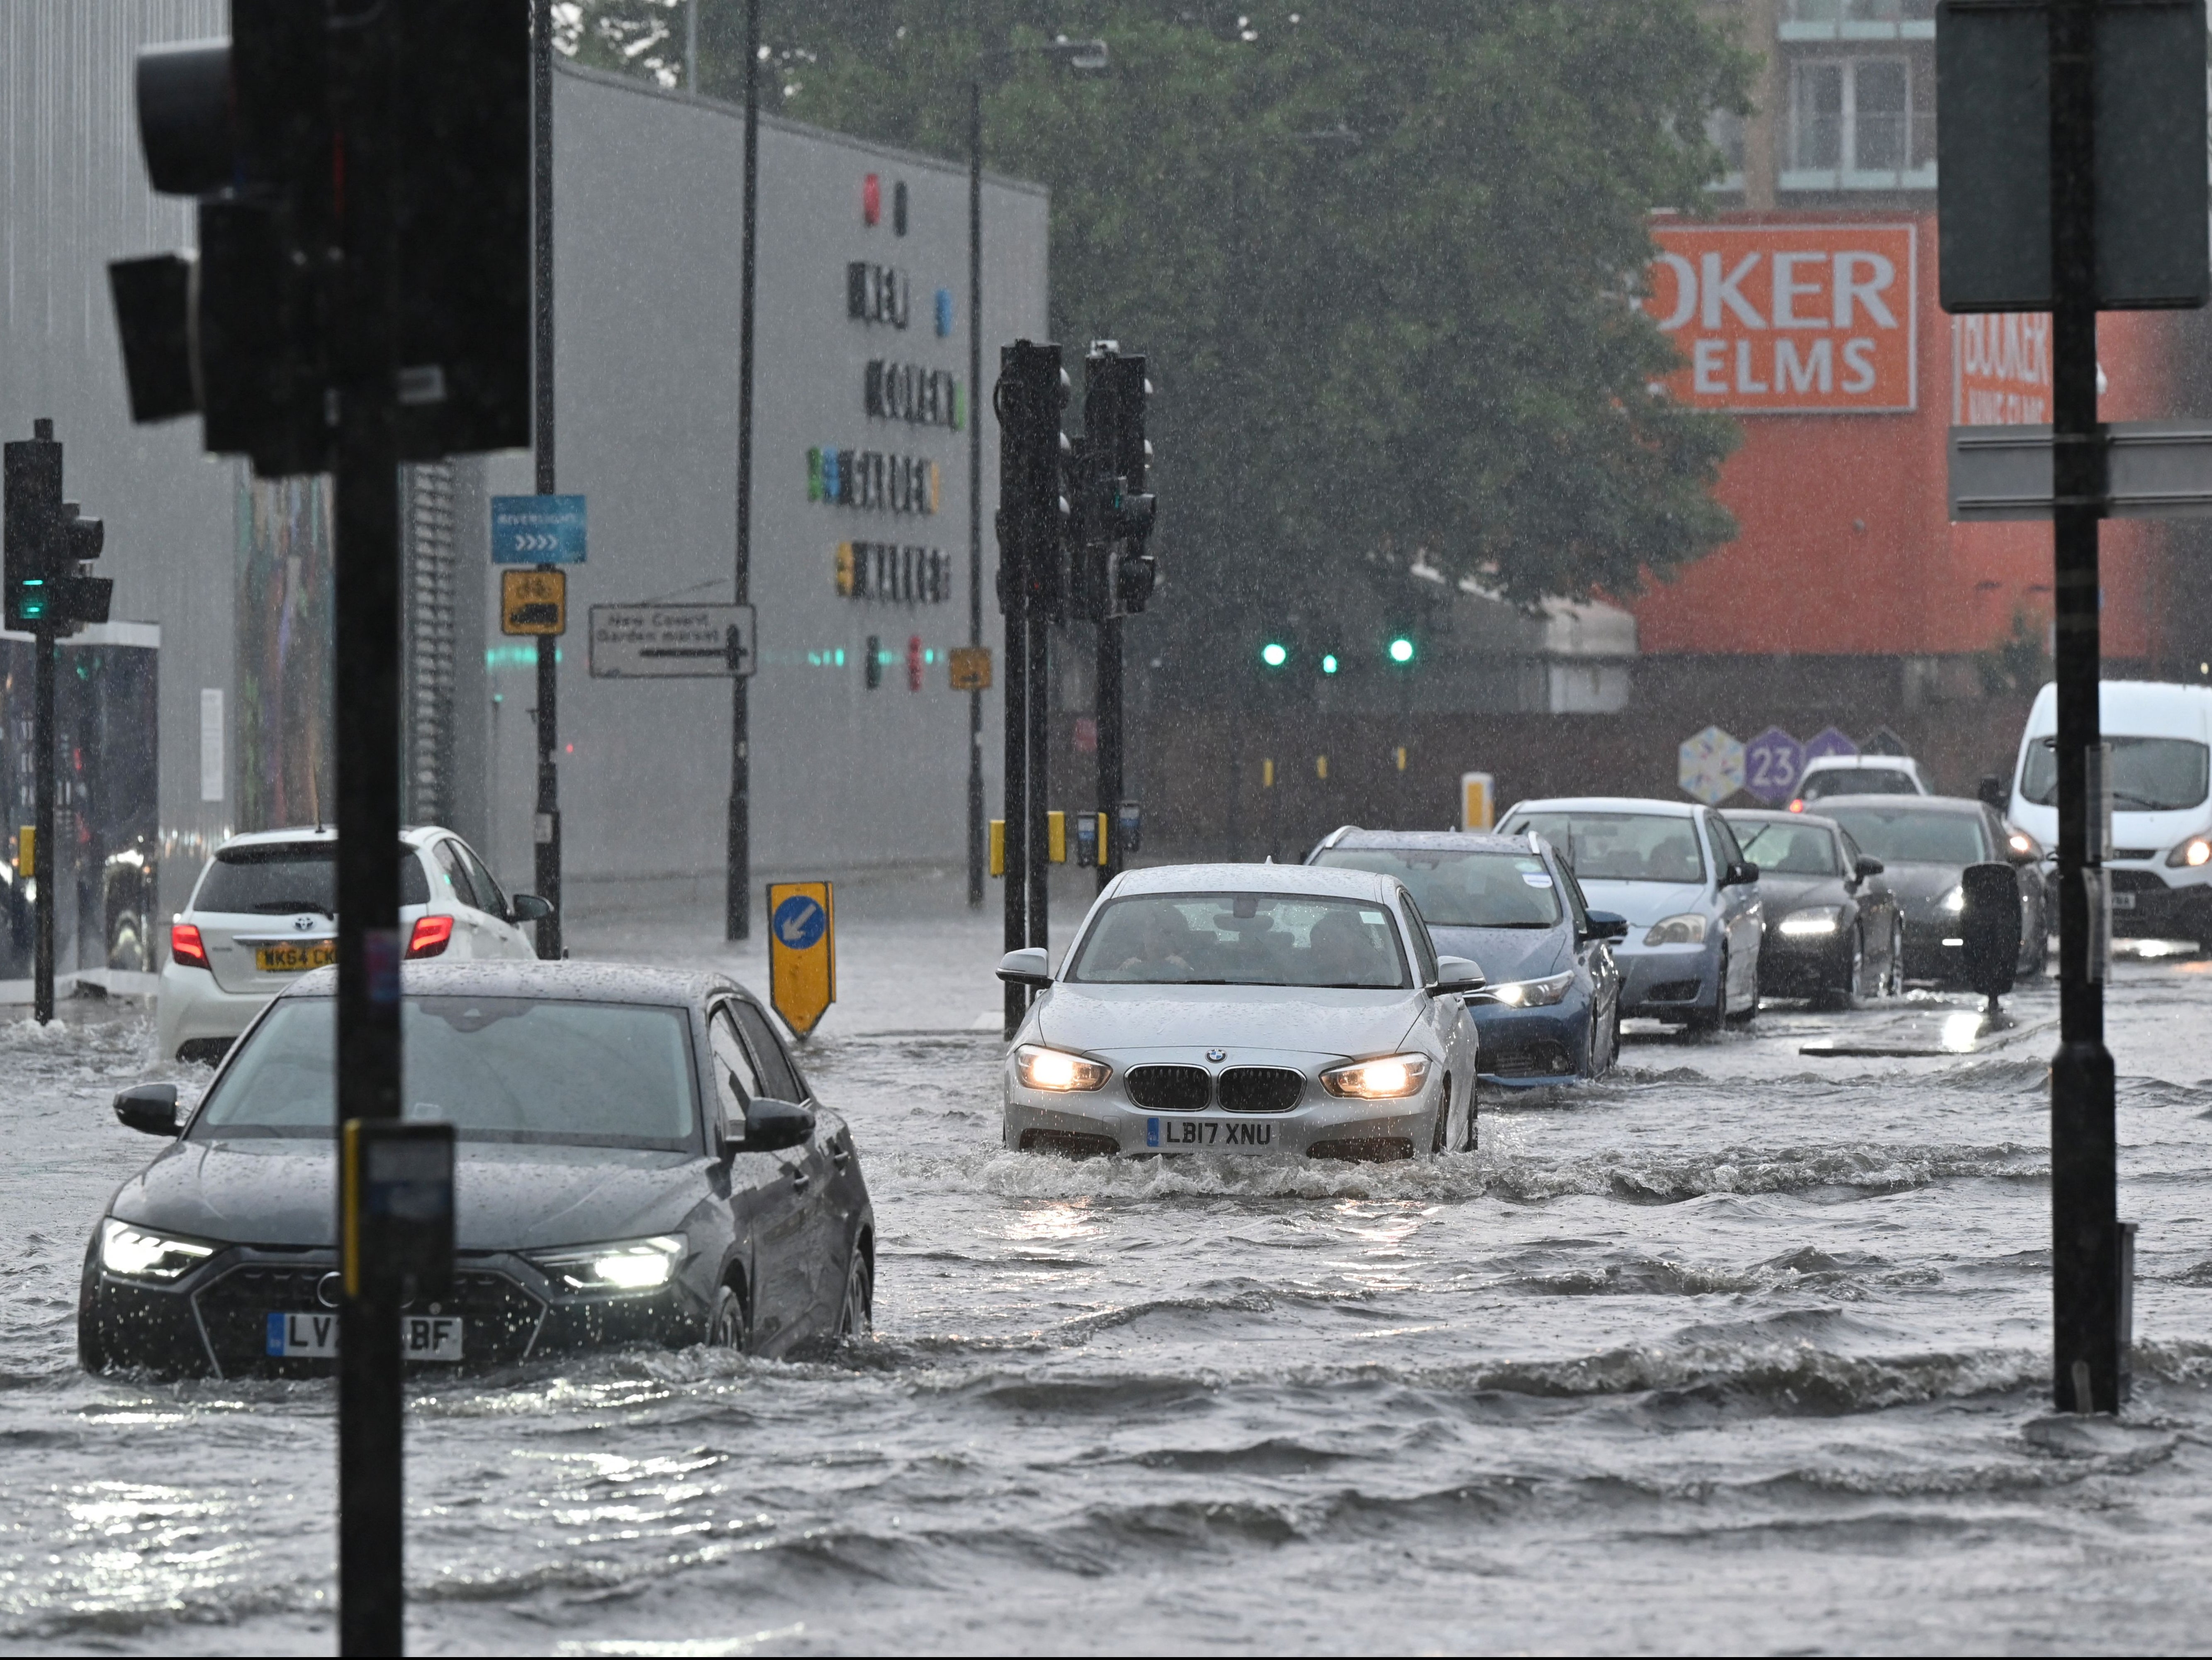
1329,664
1274,655
1401,650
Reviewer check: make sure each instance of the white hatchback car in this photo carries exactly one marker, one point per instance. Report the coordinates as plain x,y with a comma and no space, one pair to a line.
1245,1009
264,912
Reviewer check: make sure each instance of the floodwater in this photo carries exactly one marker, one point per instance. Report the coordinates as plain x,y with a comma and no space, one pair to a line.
1745,1349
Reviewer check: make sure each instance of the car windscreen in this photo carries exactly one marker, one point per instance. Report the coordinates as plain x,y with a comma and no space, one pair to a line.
1621,847
1459,888
1789,849
2149,775
1903,834
1241,940
1858,781
275,878
497,1069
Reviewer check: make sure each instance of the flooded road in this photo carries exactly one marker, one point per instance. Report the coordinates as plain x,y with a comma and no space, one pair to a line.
1744,1349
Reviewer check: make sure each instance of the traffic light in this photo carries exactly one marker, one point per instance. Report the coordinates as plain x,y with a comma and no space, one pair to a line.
1400,649
253,333
1274,653
1117,572
1328,663
47,543
1033,463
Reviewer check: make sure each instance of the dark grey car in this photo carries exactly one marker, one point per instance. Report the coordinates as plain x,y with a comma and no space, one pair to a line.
638,1159
1926,843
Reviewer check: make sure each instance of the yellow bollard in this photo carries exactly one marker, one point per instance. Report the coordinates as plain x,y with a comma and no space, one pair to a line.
1267,775
1056,837
1401,758
1321,766
998,846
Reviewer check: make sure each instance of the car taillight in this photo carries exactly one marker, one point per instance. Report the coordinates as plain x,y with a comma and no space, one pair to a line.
186,946
431,936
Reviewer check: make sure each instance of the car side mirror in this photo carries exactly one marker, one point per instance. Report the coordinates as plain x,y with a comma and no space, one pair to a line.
1606,924
150,1108
1458,974
1991,791
1868,865
1030,966
771,1125
1738,872
529,908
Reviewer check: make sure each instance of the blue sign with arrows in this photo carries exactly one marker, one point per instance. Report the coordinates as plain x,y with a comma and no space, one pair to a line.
538,530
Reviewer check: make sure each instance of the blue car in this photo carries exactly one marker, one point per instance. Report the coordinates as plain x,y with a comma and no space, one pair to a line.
1676,872
1550,1010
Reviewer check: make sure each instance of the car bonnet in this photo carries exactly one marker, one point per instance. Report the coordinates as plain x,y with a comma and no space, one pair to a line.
1645,902
1505,954
1103,1019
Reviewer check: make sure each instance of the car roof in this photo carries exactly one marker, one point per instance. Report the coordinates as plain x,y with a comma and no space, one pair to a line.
1776,815
562,981
1352,835
1960,805
1846,762
1320,879
1608,804
413,834
2135,708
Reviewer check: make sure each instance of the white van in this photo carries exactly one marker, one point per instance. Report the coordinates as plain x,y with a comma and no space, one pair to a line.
2161,736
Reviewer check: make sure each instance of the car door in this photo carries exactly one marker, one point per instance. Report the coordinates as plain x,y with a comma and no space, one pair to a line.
1594,959
1742,917
503,934
1450,1027
822,1234
1878,910
770,1205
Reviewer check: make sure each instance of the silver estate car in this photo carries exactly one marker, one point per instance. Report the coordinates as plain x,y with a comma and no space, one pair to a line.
1676,872
1245,1009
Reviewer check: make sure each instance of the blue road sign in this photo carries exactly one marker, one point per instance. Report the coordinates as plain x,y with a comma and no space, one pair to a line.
1830,742
799,922
1772,763
538,530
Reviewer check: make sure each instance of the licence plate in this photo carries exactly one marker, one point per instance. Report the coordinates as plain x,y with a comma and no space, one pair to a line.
315,1336
1195,1133
294,959
2124,902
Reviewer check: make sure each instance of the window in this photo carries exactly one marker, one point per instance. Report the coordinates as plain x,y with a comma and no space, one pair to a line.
273,878
1907,836
1861,11
736,1081
1457,889
1798,849
454,873
1424,949
1241,940
1726,849
1724,132
2149,775
489,894
778,1078
1855,115
1620,847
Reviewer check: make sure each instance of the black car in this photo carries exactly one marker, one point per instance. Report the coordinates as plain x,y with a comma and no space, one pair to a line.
638,1159
1926,843
1833,930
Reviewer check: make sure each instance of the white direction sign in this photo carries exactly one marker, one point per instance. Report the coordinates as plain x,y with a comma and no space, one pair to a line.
664,642
1709,766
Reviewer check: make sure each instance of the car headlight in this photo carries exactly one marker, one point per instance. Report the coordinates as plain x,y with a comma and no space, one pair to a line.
1688,929
2196,851
1390,1079
619,1265
1526,994
1953,902
1812,919
1042,1068
138,1254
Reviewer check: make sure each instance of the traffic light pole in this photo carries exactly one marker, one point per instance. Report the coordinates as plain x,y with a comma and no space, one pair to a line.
1016,842
975,484
1109,716
366,708
1038,703
2090,1258
737,903
42,837
545,832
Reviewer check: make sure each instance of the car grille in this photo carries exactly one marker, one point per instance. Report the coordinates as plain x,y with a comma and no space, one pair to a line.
1070,1144
1262,1089
1544,1058
2135,881
2133,852
1170,1089
502,1318
1674,991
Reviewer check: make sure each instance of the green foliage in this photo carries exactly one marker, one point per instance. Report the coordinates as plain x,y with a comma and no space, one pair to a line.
1385,260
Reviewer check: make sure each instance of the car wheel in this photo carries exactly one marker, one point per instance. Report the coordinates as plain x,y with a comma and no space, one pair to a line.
1705,1020
857,1317
1892,978
1468,1145
1443,1136
727,1327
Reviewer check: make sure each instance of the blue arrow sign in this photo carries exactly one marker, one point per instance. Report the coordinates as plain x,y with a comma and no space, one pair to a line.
538,530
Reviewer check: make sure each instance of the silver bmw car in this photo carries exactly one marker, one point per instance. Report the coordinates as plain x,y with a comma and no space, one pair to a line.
1245,1009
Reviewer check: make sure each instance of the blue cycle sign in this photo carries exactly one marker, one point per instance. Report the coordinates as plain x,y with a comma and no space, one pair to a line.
799,922
1773,762
538,530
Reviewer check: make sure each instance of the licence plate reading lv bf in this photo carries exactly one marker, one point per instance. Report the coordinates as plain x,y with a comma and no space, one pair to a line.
315,1336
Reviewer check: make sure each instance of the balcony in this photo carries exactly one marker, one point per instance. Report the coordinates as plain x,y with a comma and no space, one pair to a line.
1832,21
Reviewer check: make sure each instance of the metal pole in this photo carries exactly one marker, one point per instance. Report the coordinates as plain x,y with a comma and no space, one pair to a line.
737,899
546,827
1109,716
42,837
975,407
1038,700
366,708
2088,1258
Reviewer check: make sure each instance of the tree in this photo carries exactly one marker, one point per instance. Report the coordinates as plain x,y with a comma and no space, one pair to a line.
1385,260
